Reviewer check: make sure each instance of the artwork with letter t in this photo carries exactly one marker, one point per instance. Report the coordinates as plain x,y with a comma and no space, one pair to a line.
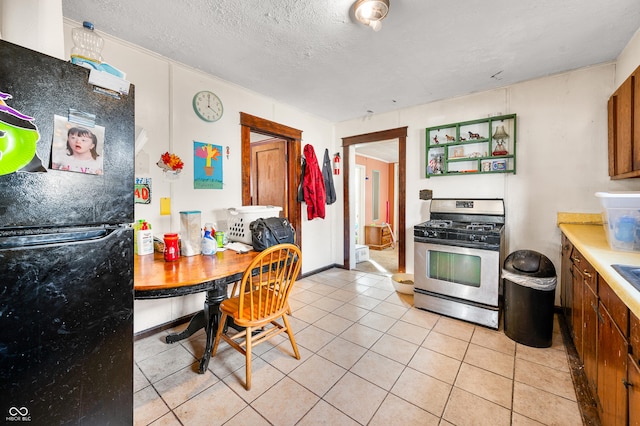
207,166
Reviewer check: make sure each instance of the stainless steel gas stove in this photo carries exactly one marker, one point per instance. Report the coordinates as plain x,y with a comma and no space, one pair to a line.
458,257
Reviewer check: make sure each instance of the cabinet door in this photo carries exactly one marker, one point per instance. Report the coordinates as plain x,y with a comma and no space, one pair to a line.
636,119
590,337
617,309
578,293
634,337
612,371
633,377
566,290
620,136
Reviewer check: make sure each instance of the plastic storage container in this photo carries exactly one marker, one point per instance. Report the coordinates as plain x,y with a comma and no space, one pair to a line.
621,219
190,233
171,247
86,44
239,219
529,294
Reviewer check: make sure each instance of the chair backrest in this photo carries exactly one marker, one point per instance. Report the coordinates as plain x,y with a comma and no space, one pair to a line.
267,282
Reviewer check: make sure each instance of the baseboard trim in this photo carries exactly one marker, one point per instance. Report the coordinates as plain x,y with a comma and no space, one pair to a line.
167,325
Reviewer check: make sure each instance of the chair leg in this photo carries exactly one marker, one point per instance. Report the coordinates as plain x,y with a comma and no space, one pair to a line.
248,356
223,321
291,338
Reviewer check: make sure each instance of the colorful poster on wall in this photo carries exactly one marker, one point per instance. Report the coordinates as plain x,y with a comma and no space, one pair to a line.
207,166
142,192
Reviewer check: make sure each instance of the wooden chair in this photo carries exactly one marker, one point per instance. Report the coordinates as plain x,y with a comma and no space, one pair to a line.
262,298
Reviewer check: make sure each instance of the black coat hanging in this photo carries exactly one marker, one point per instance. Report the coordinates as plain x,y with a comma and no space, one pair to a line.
328,178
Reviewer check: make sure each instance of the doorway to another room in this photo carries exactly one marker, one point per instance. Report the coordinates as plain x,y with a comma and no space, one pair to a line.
385,251
376,207
281,150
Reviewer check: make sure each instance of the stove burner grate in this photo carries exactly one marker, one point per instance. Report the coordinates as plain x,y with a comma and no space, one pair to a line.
439,223
481,226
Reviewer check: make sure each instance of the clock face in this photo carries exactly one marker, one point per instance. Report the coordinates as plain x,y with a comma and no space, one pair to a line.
207,106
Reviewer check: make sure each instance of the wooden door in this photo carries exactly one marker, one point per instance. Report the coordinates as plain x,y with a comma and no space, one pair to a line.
590,336
578,293
633,371
612,371
567,285
634,392
269,174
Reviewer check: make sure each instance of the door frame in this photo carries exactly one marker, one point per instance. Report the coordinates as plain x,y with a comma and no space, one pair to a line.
361,201
293,138
399,133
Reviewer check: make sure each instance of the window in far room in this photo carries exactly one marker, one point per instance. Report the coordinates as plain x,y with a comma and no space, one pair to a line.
375,195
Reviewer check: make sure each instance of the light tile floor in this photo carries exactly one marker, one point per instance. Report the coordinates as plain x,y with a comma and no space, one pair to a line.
367,358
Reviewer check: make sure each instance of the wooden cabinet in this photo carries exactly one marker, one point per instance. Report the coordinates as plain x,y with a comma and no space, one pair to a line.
624,129
566,284
377,237
590,337
612,357
633,371
577,310
584,289
485,145
606,336
633,377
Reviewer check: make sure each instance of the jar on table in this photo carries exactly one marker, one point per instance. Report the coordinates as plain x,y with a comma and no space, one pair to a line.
171,247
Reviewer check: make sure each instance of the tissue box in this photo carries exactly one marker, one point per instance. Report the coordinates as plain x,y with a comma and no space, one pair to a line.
621,219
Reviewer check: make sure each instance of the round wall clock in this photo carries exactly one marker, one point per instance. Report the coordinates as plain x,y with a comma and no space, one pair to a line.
207,106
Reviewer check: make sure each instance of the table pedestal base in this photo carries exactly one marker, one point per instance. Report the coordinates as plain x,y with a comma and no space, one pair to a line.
208,319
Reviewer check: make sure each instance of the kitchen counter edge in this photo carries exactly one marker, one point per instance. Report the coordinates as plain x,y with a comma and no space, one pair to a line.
591,241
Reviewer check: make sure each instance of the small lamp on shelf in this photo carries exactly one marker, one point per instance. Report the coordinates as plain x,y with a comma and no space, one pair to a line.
499,136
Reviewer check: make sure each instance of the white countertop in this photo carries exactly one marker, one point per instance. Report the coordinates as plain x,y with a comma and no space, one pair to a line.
591,241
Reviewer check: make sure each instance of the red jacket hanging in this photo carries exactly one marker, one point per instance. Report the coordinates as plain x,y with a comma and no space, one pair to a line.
313,185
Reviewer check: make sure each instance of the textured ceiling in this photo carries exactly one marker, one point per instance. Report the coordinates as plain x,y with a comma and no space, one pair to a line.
312,55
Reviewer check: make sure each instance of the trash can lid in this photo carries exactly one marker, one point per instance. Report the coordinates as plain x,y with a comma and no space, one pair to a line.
529,263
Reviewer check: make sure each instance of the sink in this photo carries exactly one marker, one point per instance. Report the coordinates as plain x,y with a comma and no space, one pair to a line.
629,273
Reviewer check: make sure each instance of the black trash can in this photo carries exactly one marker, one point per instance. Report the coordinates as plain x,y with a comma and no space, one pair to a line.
529,295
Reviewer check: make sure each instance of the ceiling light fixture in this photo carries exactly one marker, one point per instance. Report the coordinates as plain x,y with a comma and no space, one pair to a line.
371,12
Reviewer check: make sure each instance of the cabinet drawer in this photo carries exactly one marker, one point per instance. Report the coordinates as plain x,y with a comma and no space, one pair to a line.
585,269
386,239
616,307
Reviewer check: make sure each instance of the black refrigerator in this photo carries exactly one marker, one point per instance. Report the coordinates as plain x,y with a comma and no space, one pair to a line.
66,247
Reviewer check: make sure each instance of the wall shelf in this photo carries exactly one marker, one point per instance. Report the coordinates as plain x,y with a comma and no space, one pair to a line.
482,146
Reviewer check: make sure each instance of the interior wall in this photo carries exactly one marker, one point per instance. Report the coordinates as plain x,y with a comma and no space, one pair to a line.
561,154
164,92
628,60
35,24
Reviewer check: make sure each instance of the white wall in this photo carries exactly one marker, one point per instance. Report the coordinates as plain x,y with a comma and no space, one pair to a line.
35,24
164,91
628,59
561,153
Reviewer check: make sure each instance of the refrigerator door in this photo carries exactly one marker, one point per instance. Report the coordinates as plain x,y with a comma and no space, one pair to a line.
41,86
66,310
